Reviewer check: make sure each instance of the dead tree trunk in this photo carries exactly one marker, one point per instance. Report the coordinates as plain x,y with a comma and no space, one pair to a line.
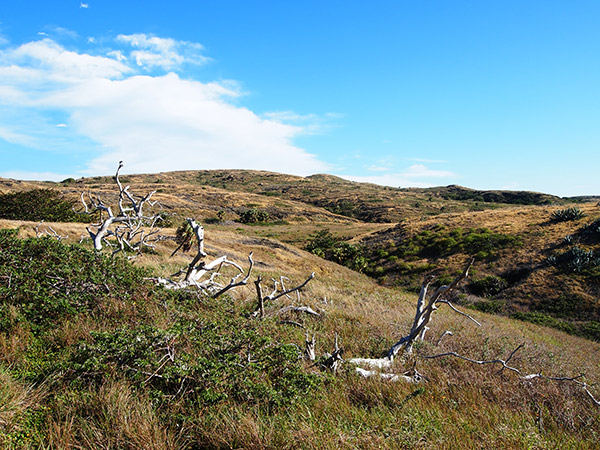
129,227
424,310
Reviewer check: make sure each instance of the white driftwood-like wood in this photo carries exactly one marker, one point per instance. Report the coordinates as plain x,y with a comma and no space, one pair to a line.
129,227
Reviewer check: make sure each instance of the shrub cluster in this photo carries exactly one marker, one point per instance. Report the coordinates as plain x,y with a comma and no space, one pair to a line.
39,204
254,215
575,260
488,286
204,351
327,246
567,214
439,241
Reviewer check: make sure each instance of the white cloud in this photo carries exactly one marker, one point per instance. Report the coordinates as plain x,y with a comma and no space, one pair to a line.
62,125
375,168
414,176
422,171
16,138
152,52
117,54
45,61
153,123
84,5
429,161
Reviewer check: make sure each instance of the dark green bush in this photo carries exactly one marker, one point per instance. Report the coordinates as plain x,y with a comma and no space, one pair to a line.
489,306
575,260
488,286
50,282
208,351
440,241
327,246
593,230
567,214
39,204
254,215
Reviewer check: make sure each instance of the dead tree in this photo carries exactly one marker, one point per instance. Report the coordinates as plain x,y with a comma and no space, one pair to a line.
127,226
423,314
204,275
404,346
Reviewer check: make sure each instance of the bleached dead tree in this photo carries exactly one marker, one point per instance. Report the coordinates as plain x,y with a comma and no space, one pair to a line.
49,231
423,315
404,347
204,275
127,225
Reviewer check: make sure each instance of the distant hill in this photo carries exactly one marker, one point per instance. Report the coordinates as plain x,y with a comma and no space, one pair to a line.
454,192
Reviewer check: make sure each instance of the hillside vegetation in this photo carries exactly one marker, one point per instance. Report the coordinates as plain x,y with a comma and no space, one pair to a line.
94,355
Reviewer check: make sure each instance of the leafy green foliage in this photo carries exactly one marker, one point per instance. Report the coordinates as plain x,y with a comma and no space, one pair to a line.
592,231
328,246
575,260
38,204
440,241
254,215
208,360
488,286
589,330
205,351
567,214
489,306
47,281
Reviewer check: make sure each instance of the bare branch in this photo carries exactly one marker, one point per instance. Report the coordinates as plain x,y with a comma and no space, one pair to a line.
233,284
458,311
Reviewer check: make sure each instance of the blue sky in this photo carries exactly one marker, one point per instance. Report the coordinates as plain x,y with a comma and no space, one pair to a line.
489,95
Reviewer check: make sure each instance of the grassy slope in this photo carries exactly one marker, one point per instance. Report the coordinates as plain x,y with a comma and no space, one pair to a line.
297,207
462,406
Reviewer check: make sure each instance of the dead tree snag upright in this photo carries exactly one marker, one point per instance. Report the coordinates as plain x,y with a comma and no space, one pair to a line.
126,227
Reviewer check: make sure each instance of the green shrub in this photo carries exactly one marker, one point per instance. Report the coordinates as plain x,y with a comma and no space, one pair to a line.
327,246
567,214
575,260
488,286
207,351
489,306
51,282
441,242
593,230
39,204
254,215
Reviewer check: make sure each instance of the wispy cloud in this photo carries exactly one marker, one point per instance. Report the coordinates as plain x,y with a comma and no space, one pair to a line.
153,122
309,123
416,175
84,5
422,171
152,51
428,161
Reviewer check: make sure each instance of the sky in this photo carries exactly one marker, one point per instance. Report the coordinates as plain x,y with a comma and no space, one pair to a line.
487,95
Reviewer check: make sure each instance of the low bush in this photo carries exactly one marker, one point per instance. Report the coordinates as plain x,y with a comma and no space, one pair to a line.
39,204
203,350
327,246
254,215
440,241
488,286
575,260
567,214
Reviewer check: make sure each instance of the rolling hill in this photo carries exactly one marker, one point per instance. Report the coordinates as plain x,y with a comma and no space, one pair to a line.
94,355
